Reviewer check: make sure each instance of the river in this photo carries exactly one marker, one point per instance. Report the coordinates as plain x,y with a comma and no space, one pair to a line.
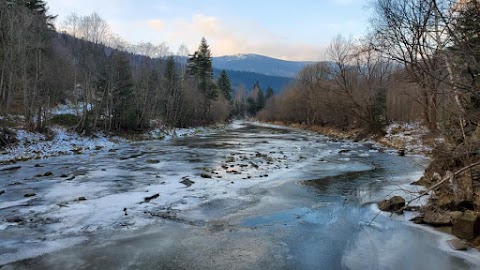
250,196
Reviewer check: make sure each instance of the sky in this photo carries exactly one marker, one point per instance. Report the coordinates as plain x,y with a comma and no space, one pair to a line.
285,29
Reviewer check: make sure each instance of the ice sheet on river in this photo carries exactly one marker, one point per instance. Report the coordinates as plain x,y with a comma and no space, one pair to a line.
244,170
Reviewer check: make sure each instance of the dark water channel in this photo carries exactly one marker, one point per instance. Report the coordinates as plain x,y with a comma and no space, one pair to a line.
308,205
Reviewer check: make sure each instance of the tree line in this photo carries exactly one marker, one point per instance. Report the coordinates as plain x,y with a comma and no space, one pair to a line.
113,85
419,62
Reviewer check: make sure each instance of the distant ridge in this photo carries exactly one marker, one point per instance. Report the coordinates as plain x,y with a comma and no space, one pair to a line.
247,79
260,64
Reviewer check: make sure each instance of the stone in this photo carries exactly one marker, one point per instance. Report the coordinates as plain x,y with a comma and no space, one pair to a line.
153,161
148,199
81,199
417,220
15,219
48,174
476,199
187,182
462,189
14,168
205,175
457,244
232,170
394,204
28,195
401,152
437,219
466,226
2,191
443,200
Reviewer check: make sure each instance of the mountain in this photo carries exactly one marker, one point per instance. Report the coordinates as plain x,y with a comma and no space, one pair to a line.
259,64
247,80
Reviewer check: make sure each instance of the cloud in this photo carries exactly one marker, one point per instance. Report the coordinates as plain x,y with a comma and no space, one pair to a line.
237,37
156,24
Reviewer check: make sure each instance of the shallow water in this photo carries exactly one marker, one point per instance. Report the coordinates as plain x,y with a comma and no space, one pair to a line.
278,199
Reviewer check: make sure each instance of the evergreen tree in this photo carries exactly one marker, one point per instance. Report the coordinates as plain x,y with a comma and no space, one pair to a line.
269,93
224,85
379,110
256,100
200,66
125,115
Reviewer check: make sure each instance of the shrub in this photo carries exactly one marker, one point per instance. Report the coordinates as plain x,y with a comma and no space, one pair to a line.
68,120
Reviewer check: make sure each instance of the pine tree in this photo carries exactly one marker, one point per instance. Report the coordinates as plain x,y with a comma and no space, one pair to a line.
125,115
224,85
269,93
256,100
200,66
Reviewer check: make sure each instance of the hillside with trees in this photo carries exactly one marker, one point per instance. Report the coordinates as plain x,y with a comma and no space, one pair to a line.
420,63
114,86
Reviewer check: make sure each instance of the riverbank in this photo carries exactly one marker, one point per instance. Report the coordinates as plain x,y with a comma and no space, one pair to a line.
252,196
445,206
60,142
404,137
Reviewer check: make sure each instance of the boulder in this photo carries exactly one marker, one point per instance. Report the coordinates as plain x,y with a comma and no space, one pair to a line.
462,186
466,226
457,244
205,175
417,220
187,182
437,219
443,200
395,204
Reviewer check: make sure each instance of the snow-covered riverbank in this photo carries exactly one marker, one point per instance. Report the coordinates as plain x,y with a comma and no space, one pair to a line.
34,145
270,183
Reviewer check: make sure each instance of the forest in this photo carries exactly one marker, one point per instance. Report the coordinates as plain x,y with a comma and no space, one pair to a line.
114,86
419,62
107,145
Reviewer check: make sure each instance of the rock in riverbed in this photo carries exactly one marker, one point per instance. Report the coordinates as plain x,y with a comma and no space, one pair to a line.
456,244
466,226
153,197
14,168
394,204
437,219
187,182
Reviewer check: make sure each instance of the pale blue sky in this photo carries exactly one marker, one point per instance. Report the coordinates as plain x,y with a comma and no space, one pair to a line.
294,29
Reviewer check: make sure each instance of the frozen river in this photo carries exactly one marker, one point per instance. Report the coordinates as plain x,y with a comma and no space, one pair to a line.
249,196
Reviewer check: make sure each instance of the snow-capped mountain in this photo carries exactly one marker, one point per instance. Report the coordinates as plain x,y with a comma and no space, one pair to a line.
259,64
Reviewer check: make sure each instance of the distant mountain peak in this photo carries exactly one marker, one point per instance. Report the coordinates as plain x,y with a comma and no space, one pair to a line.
259,64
